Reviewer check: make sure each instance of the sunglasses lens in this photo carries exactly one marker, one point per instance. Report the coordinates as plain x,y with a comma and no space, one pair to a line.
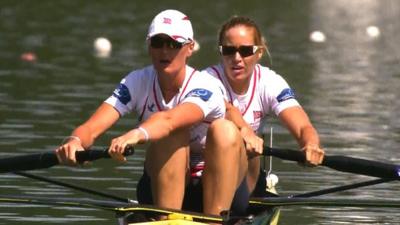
159,42
156,42
174,44
244,50
228,50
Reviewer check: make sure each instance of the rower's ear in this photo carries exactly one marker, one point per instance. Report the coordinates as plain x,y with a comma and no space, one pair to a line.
260,54
190,48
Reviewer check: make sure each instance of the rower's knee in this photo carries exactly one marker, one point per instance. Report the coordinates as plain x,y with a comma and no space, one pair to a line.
224,134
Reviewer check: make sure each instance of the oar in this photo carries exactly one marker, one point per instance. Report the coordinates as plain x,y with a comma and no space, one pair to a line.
75,187
49,159
344,187
73,202
342,163
329,202
120,208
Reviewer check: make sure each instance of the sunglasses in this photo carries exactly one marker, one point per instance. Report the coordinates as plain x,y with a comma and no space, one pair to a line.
244,50
159,42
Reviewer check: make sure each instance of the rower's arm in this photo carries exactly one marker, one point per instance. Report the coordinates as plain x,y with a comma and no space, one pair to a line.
233,114
104,117
297,121
159,125
254,144
84,135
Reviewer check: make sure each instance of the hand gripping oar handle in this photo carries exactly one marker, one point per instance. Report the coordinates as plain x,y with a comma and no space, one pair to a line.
92,155
49,159
341,163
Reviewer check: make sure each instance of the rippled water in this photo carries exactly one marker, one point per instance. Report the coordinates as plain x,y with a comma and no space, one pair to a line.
348,84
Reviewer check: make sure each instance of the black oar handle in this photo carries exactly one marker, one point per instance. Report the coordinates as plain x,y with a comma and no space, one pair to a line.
286,154
91,155
341,163
49,159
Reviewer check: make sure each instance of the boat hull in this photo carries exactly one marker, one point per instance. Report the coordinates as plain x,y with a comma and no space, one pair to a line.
257,216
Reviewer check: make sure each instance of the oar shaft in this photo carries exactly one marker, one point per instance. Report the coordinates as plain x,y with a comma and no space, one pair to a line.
329,202
28,162
362,166
73,202
72,186
49,159
342,163
343,188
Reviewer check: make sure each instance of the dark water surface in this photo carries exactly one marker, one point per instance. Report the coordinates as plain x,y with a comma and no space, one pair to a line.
349,85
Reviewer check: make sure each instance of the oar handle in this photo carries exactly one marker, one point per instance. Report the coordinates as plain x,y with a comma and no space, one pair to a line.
49,159
286,154
91,155
341,163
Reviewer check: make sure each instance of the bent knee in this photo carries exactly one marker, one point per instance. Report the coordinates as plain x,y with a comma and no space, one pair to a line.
223,127
224,132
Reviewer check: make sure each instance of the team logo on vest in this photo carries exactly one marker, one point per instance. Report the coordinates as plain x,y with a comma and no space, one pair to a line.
201,93
286,94
122,93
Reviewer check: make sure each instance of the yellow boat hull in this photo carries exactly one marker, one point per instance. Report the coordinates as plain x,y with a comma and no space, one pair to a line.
269,217
170,222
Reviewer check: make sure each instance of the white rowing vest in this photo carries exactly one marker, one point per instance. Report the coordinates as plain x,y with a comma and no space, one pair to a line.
268,93
140,92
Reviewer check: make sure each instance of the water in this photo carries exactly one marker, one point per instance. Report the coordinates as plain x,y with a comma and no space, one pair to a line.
348,85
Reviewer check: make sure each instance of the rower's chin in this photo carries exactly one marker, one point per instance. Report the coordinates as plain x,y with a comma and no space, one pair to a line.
237,74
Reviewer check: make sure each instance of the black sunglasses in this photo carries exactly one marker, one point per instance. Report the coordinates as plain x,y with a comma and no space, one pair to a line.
159,42
244,50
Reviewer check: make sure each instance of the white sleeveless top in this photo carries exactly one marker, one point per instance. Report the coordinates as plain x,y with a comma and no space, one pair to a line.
139,91
268,93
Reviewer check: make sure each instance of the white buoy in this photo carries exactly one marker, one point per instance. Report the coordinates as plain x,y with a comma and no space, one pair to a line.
373,31
317,36
102,47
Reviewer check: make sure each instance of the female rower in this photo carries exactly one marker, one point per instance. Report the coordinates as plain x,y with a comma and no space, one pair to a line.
258,91
178,108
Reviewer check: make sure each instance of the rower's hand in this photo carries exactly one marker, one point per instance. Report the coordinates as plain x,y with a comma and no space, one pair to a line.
119,144
66,152
253,143
314,155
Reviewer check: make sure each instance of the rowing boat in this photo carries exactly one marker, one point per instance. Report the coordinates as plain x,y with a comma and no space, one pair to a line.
263,209
140,215
127,211
137,214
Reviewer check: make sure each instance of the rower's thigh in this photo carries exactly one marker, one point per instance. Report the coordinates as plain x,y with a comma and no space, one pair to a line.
171,151
224,138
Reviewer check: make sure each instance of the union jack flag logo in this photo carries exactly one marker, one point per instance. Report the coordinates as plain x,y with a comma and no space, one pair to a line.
167,20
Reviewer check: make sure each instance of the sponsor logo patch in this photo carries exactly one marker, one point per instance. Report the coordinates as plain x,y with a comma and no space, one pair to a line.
122,93
286,94
201,93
